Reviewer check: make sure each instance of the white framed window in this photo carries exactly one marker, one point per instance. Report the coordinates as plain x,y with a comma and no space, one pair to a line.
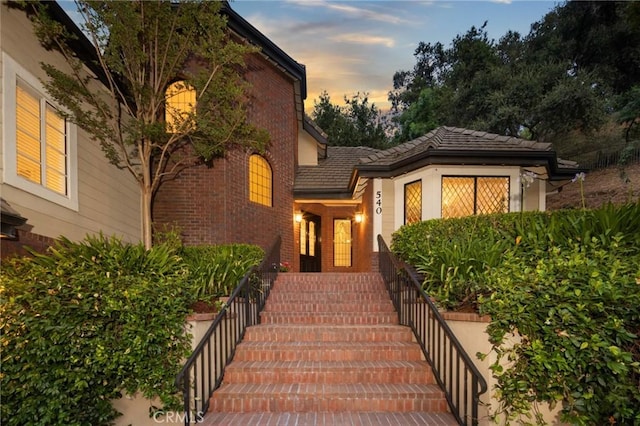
39,144
473,195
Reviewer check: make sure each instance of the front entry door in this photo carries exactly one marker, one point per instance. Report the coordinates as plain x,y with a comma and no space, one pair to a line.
310,243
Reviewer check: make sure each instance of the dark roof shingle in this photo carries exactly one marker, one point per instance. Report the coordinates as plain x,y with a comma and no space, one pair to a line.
455,139
333,173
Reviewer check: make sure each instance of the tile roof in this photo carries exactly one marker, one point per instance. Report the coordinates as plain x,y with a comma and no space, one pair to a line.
453,139
333,173
333,176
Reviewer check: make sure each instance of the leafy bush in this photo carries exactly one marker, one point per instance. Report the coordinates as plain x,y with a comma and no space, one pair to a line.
452,255
566,284
86,322
215,271
576,314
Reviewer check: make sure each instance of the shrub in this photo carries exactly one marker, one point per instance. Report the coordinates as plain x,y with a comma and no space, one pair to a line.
215,270
575,312
86,322
453,254
566,284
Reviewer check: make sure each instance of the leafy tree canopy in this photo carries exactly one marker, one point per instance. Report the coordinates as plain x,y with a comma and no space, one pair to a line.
570,74
358,123
138,49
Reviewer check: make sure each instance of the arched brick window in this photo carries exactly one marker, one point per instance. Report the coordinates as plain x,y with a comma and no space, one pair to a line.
260,180
180,103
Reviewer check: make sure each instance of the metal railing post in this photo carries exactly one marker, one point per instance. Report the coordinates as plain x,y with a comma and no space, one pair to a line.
224,334
439,344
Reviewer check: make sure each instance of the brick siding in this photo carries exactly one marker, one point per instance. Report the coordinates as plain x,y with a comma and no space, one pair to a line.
210,204
39,243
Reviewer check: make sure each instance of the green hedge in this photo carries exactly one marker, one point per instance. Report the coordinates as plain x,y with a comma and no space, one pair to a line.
90,320
566,282
86,322
216,270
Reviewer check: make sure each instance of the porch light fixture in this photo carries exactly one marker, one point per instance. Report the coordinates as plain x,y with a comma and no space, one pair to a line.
297,217
359,217
11,220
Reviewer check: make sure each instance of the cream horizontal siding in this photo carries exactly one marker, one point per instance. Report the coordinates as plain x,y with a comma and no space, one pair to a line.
108,198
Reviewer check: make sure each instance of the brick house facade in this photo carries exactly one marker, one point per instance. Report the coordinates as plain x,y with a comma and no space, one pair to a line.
210,204
328,203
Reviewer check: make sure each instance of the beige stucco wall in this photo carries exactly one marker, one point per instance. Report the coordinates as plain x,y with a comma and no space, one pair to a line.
135,409
107,198
534,196
382,210
432,190
307,149
392,216
474,339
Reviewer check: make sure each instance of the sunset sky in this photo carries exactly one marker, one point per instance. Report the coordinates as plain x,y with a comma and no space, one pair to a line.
357,46
351,46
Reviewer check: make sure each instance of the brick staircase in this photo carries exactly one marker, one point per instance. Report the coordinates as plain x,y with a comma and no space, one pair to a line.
329,351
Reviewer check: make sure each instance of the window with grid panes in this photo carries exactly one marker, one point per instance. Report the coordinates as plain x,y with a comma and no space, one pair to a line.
469,195
303,237
312,239
260,180
180,101
41,141
413,202
342,242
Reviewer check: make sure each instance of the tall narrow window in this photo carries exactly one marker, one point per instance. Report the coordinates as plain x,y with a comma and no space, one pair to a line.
312,238
303,237
180,101
413,202
260,181
41,142
466,196
342,242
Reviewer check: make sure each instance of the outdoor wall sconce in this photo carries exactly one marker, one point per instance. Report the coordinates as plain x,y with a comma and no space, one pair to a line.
11,220
297,217
359,217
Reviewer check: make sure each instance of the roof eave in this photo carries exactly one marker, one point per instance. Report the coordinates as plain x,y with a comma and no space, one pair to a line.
85,51
457,157
313,131
323,194
244,29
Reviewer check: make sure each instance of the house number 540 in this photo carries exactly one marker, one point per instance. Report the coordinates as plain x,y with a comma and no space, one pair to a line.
378,202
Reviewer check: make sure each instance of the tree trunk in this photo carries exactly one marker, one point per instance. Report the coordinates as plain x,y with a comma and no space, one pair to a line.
145,198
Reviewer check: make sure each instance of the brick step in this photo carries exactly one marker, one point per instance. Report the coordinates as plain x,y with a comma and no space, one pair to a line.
328,333
329,287
327,307
335,351
353,372
245,398
303,278
328,318
324,418
327,297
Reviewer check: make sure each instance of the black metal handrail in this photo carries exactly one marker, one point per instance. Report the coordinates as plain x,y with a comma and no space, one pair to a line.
203,371
454,370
